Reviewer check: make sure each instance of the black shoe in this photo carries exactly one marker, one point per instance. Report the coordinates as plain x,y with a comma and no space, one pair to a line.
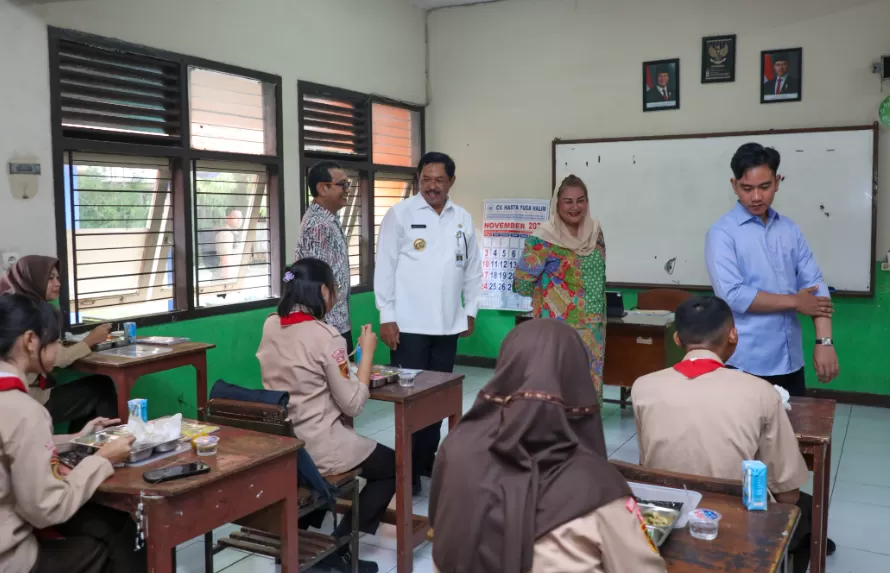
343,562
830,547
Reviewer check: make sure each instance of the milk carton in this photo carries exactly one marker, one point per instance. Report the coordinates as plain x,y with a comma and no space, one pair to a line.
754,485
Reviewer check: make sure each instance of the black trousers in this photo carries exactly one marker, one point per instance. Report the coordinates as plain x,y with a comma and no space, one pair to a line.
799,547
425,352
350,343
379,469
794,382
114,530
80,401
71,555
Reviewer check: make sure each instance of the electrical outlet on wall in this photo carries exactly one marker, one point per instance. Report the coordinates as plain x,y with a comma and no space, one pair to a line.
9,259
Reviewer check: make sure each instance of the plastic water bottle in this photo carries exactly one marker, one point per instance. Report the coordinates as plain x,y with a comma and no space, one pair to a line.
358,354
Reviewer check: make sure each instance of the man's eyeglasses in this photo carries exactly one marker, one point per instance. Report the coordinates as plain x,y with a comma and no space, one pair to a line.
345,184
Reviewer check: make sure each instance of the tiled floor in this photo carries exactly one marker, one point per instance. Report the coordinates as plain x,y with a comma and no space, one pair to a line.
860,482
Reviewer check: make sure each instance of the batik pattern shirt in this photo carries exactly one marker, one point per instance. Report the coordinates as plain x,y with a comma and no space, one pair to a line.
322,237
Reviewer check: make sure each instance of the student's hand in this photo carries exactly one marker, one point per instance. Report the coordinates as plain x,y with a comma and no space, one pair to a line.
367,340
116,451
811,305
389,332
97,424
97,335
825,361
471,326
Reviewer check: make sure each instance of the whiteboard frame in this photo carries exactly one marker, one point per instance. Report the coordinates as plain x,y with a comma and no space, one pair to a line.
874,197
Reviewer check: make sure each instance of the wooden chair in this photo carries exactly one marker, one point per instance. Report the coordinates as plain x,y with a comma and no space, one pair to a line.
260,531
662,299
633,472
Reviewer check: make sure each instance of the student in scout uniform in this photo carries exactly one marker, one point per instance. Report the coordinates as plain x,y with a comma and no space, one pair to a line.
322,238
76,402
522,484
36,491
760,263
704,419
306,357
428,261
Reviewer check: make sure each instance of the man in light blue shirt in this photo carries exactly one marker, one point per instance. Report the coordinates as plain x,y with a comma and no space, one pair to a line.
761,265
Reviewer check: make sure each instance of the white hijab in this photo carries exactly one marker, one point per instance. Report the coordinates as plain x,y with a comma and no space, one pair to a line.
556,232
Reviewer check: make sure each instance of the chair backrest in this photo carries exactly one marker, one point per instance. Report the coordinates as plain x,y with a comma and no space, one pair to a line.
662,299
254,416
632,472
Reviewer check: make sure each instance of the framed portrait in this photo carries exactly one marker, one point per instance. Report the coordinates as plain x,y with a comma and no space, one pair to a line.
661,85
718,59
781,74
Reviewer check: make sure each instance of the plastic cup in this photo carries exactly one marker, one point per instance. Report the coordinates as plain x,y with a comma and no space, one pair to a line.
704,524
407,378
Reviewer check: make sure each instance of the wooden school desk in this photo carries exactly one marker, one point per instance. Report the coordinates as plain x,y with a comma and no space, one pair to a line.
251,471
435,396
637,344
125,371
748,541
813,421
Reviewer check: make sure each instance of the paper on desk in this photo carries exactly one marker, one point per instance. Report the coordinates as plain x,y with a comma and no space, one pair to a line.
155,432
785,396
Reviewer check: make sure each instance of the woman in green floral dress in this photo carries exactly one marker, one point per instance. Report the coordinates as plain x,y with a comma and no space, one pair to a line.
563,269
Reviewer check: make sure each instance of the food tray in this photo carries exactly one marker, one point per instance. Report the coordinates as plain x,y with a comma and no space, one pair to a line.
690,499
92,442
660,521
381,376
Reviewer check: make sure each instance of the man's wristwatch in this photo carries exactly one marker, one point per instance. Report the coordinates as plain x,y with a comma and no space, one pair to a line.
824,342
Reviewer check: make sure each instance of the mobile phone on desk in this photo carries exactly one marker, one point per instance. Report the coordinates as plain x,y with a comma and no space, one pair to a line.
176,472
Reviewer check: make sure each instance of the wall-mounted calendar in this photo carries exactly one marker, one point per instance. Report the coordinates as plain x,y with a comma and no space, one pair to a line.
506,223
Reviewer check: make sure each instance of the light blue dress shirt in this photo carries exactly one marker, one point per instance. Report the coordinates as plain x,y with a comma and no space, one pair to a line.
744,256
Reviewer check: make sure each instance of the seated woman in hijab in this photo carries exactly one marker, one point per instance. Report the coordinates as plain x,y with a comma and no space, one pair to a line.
522,484
78,402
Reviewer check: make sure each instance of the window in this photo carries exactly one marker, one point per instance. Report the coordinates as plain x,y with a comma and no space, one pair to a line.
167,173
378,143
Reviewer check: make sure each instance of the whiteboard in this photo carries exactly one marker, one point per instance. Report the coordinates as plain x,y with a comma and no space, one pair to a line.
656,198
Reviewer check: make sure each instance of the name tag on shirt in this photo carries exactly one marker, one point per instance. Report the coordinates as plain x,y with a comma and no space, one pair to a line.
418,226
460,249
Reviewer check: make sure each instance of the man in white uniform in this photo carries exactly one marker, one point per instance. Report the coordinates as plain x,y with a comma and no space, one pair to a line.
427,284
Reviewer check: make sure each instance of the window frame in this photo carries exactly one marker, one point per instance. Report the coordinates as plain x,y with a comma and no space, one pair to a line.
366,168
182,158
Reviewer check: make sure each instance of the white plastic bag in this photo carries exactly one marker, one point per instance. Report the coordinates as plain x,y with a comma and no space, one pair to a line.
785,396
156,431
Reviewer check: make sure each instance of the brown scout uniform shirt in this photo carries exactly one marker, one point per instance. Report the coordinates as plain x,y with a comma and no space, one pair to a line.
31,496
708,425
610,539
67,355
309,361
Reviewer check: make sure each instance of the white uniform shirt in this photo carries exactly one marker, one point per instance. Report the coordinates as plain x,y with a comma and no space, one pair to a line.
425,261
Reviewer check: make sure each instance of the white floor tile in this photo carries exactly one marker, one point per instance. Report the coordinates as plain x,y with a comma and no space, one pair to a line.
864,468
866,447
424,552
191,559
858,526
861,493
422,507
423,565
869,429
848,560
386,559
254,564
629,452
385,538
869,413
842,409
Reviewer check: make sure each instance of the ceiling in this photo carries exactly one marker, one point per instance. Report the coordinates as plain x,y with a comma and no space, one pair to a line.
430,4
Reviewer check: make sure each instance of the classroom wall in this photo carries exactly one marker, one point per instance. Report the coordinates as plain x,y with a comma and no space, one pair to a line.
508,77
25,130
372,47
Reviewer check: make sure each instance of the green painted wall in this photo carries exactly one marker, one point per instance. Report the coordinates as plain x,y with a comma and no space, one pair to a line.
861,332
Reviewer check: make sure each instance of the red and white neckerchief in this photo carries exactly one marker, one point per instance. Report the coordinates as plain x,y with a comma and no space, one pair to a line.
695,367
12,383
296,318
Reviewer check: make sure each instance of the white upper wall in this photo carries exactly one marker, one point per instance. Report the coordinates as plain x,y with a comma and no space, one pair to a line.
26,226
372,47
508,77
